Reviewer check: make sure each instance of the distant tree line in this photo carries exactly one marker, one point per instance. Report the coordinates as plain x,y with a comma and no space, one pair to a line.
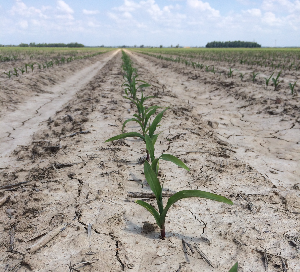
51,45
234,44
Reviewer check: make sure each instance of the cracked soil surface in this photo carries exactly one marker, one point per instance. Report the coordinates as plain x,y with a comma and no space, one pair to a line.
67,197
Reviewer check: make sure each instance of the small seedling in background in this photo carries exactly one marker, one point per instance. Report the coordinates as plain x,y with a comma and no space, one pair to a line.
230,73
8,74
254,76
268,79
16,72
292,87
242,76
276,81
22,70
31,66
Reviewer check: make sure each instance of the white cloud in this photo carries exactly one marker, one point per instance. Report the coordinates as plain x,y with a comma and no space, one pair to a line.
271,19
64,7
21,9
23,24
204,7
253,12
90,12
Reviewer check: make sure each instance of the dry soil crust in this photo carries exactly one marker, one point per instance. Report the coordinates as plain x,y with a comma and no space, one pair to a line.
69,185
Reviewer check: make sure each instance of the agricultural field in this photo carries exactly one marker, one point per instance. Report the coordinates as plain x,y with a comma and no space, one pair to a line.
150,160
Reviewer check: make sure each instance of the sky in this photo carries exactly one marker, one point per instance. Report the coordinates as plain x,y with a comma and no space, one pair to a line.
150,22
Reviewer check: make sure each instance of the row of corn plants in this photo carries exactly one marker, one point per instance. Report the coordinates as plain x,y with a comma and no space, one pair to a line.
275,80
283,59
148,120
17,71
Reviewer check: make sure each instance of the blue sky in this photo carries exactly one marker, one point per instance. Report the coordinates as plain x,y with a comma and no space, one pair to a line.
150,22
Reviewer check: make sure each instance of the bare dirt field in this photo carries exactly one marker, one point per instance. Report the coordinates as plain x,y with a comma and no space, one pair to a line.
67,198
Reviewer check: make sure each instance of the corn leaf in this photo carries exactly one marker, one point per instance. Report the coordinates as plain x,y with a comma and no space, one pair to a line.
192,193
131,120
126,135
171,158
152,180
155,122
151,209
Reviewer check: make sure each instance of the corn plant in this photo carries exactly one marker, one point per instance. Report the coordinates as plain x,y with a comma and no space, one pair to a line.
268,79
254,76
292,86
8,74
213,69
151,163
207,68
15,73
276,81
26,66
160,215
22,70
230,73
242,76
31,66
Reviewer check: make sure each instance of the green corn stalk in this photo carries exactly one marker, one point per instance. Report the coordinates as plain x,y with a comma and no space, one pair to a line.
276,81
292,86
207,68
26,66
254,76
242,76
213,70
22,70
16,72
230,73
161,213
8,74
268,79
31,66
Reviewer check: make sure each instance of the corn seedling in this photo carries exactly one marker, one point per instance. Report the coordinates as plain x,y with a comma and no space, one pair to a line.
31,66
22,70
213,69
8,74
242,76
160,215
151,164
230,73
15,73
292,86
254,76
268,79
276,81
26,66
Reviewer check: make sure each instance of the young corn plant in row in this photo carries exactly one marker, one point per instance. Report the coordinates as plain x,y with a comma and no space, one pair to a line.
151,164
292,87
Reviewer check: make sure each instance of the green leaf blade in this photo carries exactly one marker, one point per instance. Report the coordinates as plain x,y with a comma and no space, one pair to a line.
234,268
152,180
155,122
126,135
150,209
192,193
171,158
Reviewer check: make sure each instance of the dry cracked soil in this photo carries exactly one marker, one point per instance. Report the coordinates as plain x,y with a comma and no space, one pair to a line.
67,198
